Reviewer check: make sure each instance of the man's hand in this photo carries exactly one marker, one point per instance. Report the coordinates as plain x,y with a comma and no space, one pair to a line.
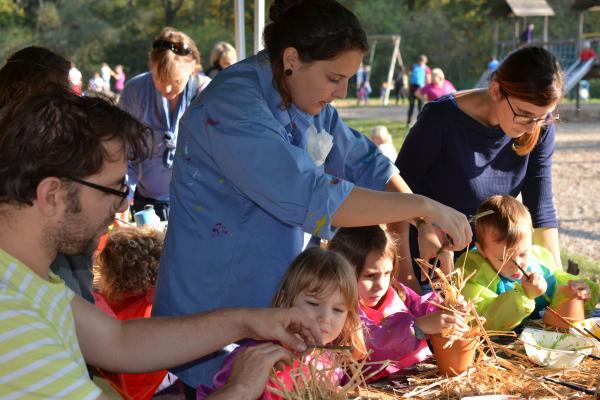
251,370
289,326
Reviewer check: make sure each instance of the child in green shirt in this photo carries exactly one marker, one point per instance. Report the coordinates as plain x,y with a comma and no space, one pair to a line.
501,292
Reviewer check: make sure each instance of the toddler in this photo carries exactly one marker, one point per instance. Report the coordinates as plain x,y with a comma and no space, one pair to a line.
500,290
125,274
322,284
382,138
397,321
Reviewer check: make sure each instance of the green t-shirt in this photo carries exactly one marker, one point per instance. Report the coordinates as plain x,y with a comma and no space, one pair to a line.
39,353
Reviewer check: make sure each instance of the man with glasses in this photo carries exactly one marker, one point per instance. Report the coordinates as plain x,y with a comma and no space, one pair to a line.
62,176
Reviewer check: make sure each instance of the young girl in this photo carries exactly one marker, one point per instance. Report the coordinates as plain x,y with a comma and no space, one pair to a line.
322,284
125,276
396,320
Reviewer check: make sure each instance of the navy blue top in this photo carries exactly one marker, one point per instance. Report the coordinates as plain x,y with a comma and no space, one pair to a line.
454,159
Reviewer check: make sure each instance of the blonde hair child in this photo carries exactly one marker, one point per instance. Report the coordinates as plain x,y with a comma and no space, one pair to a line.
382,138
323,285
396,320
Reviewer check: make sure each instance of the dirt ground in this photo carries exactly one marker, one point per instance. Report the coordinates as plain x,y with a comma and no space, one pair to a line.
576,173
576,184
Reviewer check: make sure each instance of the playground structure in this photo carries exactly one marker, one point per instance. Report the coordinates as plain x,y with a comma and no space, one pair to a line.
396,58
566,51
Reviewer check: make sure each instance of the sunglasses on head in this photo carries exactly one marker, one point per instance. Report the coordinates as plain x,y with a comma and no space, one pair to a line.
181,49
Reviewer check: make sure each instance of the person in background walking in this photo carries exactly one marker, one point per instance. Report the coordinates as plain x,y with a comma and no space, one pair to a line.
417,79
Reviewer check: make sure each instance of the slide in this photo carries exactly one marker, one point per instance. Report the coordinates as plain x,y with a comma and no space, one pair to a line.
484,80
576,72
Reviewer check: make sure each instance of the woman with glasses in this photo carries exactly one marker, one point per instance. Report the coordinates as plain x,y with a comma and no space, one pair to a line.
262,158
474,144
158,98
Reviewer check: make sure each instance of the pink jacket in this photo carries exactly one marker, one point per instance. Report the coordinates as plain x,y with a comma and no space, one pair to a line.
221,377
389,333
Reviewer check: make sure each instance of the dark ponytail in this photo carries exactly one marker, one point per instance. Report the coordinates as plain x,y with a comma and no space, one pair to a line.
317,29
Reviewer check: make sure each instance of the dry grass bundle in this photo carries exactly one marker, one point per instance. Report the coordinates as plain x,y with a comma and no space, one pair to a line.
447,289
319,377
519,377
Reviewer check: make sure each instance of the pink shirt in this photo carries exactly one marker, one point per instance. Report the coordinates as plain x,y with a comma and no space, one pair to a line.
389,332
433,91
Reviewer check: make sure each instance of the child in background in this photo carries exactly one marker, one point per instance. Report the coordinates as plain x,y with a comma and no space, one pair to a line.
125,275
322,284
396,320
500,291
382,138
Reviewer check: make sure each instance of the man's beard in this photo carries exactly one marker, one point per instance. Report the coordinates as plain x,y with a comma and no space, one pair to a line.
75,235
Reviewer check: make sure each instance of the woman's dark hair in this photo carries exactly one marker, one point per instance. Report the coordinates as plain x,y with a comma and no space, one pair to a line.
317,29
356,243
61,134
31,70
531,74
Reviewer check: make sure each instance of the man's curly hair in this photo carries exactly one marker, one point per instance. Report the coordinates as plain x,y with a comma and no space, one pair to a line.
129,262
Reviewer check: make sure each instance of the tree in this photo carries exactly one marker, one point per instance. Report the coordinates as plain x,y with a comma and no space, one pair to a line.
171,8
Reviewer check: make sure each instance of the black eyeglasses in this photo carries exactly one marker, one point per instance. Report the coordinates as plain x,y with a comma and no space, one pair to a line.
181,49
119,193
525,120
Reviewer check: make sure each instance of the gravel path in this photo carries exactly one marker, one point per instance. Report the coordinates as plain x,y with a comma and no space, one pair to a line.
576,184
576,173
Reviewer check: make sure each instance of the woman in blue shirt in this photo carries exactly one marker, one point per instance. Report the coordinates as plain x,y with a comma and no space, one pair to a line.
474,144
158,99
253,170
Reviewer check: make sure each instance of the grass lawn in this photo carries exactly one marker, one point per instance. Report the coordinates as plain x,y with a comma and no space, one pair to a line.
397,129
589,268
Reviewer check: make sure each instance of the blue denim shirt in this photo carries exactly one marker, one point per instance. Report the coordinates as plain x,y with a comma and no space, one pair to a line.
245,190
141,99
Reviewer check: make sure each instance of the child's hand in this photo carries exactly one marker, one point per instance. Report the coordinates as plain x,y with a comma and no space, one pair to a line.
534,285
435,323
251,371
581,288
462,304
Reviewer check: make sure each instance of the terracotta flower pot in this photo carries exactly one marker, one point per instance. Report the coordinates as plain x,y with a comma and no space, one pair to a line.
455,359
569,307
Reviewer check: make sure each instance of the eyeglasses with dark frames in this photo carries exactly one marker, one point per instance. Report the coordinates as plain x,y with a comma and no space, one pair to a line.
179,48
525,120
122,194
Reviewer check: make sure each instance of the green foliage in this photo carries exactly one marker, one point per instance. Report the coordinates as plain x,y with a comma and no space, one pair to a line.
455,34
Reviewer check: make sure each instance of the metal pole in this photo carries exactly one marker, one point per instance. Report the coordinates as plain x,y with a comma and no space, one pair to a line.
240,29
390,76
372,52
546,32
259,24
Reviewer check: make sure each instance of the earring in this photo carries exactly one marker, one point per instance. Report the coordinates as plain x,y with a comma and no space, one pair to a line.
287,71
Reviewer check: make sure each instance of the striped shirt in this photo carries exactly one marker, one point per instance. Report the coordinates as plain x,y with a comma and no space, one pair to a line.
39,353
